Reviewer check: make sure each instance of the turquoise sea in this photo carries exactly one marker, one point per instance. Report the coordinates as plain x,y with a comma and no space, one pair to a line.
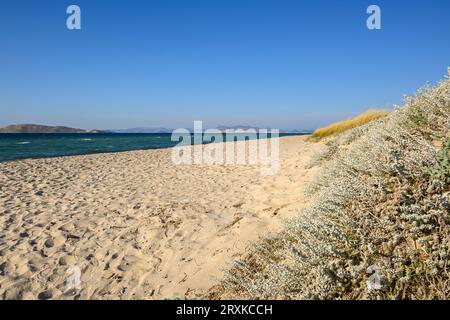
15,146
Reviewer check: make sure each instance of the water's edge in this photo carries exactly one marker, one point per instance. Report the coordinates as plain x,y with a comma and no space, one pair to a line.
22,146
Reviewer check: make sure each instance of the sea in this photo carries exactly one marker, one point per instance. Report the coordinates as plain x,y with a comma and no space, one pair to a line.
15,146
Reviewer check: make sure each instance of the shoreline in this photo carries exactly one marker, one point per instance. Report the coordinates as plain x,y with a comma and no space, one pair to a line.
120,151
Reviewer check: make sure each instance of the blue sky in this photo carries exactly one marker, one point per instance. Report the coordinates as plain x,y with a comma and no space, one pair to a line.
282,64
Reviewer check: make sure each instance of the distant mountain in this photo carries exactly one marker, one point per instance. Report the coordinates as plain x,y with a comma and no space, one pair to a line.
37,128
224,128
144,130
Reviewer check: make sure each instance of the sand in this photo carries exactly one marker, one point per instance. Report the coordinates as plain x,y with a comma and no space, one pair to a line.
137,226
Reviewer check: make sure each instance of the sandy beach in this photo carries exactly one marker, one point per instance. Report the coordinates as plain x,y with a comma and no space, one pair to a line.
137,226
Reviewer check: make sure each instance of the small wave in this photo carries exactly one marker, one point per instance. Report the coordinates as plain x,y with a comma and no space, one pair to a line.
24,142
87,139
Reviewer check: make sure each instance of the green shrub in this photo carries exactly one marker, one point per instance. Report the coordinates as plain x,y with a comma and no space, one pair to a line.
441,170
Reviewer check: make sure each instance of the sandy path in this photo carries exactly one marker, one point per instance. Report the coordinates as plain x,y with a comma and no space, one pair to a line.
136,225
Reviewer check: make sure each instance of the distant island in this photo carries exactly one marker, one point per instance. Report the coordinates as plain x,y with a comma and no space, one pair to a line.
143,130
37,128
245,127
220,128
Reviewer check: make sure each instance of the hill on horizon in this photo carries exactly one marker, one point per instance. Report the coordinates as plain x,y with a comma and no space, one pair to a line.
37,128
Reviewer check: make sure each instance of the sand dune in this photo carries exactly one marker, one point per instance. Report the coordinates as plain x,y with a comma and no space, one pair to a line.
137,226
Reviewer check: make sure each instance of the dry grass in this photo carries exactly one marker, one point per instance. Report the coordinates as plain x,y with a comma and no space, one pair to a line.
341,126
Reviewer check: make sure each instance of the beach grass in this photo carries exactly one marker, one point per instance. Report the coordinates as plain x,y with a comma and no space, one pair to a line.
344,125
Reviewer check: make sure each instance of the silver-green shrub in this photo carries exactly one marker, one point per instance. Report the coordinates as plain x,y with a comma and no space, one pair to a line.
382,203
441,170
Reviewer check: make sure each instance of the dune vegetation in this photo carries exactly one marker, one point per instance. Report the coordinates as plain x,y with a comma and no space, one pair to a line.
342,126
378,223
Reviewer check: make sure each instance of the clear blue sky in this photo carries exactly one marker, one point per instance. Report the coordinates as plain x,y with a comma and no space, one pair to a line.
286,64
